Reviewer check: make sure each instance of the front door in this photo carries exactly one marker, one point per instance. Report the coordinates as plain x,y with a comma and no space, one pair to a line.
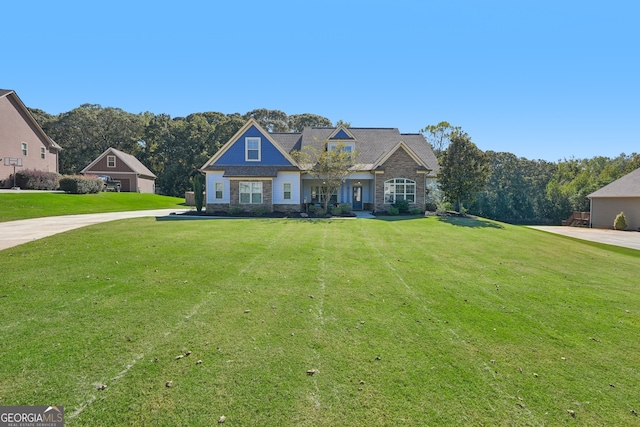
356,201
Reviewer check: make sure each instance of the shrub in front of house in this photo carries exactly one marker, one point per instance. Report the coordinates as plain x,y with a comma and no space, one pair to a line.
320,213
431,207
620,222
415,211
235,210
336,211
80,184
345,209
402,206
29,179
259,211
393,211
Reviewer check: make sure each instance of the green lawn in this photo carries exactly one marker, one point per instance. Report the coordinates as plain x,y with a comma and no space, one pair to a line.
22,205
416,322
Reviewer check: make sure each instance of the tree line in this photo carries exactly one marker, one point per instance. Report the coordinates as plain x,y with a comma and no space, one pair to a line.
515,189
172,148
504,187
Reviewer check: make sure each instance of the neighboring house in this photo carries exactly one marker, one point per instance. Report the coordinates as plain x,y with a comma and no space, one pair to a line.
256,168
622,195
22,140
123,167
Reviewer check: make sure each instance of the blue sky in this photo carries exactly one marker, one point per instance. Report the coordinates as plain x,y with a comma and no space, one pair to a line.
540,79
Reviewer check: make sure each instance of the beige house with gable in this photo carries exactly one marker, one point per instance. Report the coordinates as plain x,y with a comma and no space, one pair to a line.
622,195
123,167
22,140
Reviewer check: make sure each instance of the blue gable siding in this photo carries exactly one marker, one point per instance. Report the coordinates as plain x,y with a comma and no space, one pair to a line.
341,135
270,156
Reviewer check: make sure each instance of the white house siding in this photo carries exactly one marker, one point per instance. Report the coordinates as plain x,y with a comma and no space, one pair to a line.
278,188
605,209
212,178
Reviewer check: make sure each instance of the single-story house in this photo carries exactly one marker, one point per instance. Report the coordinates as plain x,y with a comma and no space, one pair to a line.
22,140
256,168
622,195
123,167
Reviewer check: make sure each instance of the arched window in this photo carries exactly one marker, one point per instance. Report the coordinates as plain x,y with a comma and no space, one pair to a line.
399,189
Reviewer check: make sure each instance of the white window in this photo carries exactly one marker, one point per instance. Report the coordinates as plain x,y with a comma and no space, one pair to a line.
319,195
348,147
43,152
399,189
219,190
111,161
250,192
252,149
24,149
286,191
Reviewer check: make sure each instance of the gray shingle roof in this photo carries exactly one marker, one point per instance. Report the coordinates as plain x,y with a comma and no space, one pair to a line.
372,144
627,186
135,164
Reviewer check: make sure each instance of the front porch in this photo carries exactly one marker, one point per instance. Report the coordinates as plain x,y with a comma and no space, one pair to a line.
357,192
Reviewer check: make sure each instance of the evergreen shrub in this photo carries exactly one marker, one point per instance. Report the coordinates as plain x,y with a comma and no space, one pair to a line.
29,179
620,222
80,184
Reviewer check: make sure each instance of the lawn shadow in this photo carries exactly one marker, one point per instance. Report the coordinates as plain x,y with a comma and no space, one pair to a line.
471,222
397,217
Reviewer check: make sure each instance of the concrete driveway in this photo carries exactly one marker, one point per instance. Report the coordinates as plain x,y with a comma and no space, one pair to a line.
14,233
626,239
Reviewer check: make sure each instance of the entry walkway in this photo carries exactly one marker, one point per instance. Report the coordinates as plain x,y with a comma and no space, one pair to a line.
14,233
626,239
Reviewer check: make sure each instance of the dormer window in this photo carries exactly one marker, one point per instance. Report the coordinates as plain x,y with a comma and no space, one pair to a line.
252,149
349,147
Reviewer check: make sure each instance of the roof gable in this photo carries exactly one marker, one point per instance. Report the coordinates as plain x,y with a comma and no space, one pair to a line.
402,146
233,152
626,186
341,133
13,97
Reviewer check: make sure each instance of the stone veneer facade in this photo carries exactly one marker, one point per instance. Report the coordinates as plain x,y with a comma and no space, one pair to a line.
399,165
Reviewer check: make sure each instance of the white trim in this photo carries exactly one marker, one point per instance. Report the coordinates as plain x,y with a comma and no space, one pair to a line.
251,193
248,139
215,191
43,153
235,138
335,132
24,148
407,149
404,194
284,191
331,145
108,161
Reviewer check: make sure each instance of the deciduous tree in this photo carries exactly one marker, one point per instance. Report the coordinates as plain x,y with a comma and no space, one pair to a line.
329,165
439,136
297,122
